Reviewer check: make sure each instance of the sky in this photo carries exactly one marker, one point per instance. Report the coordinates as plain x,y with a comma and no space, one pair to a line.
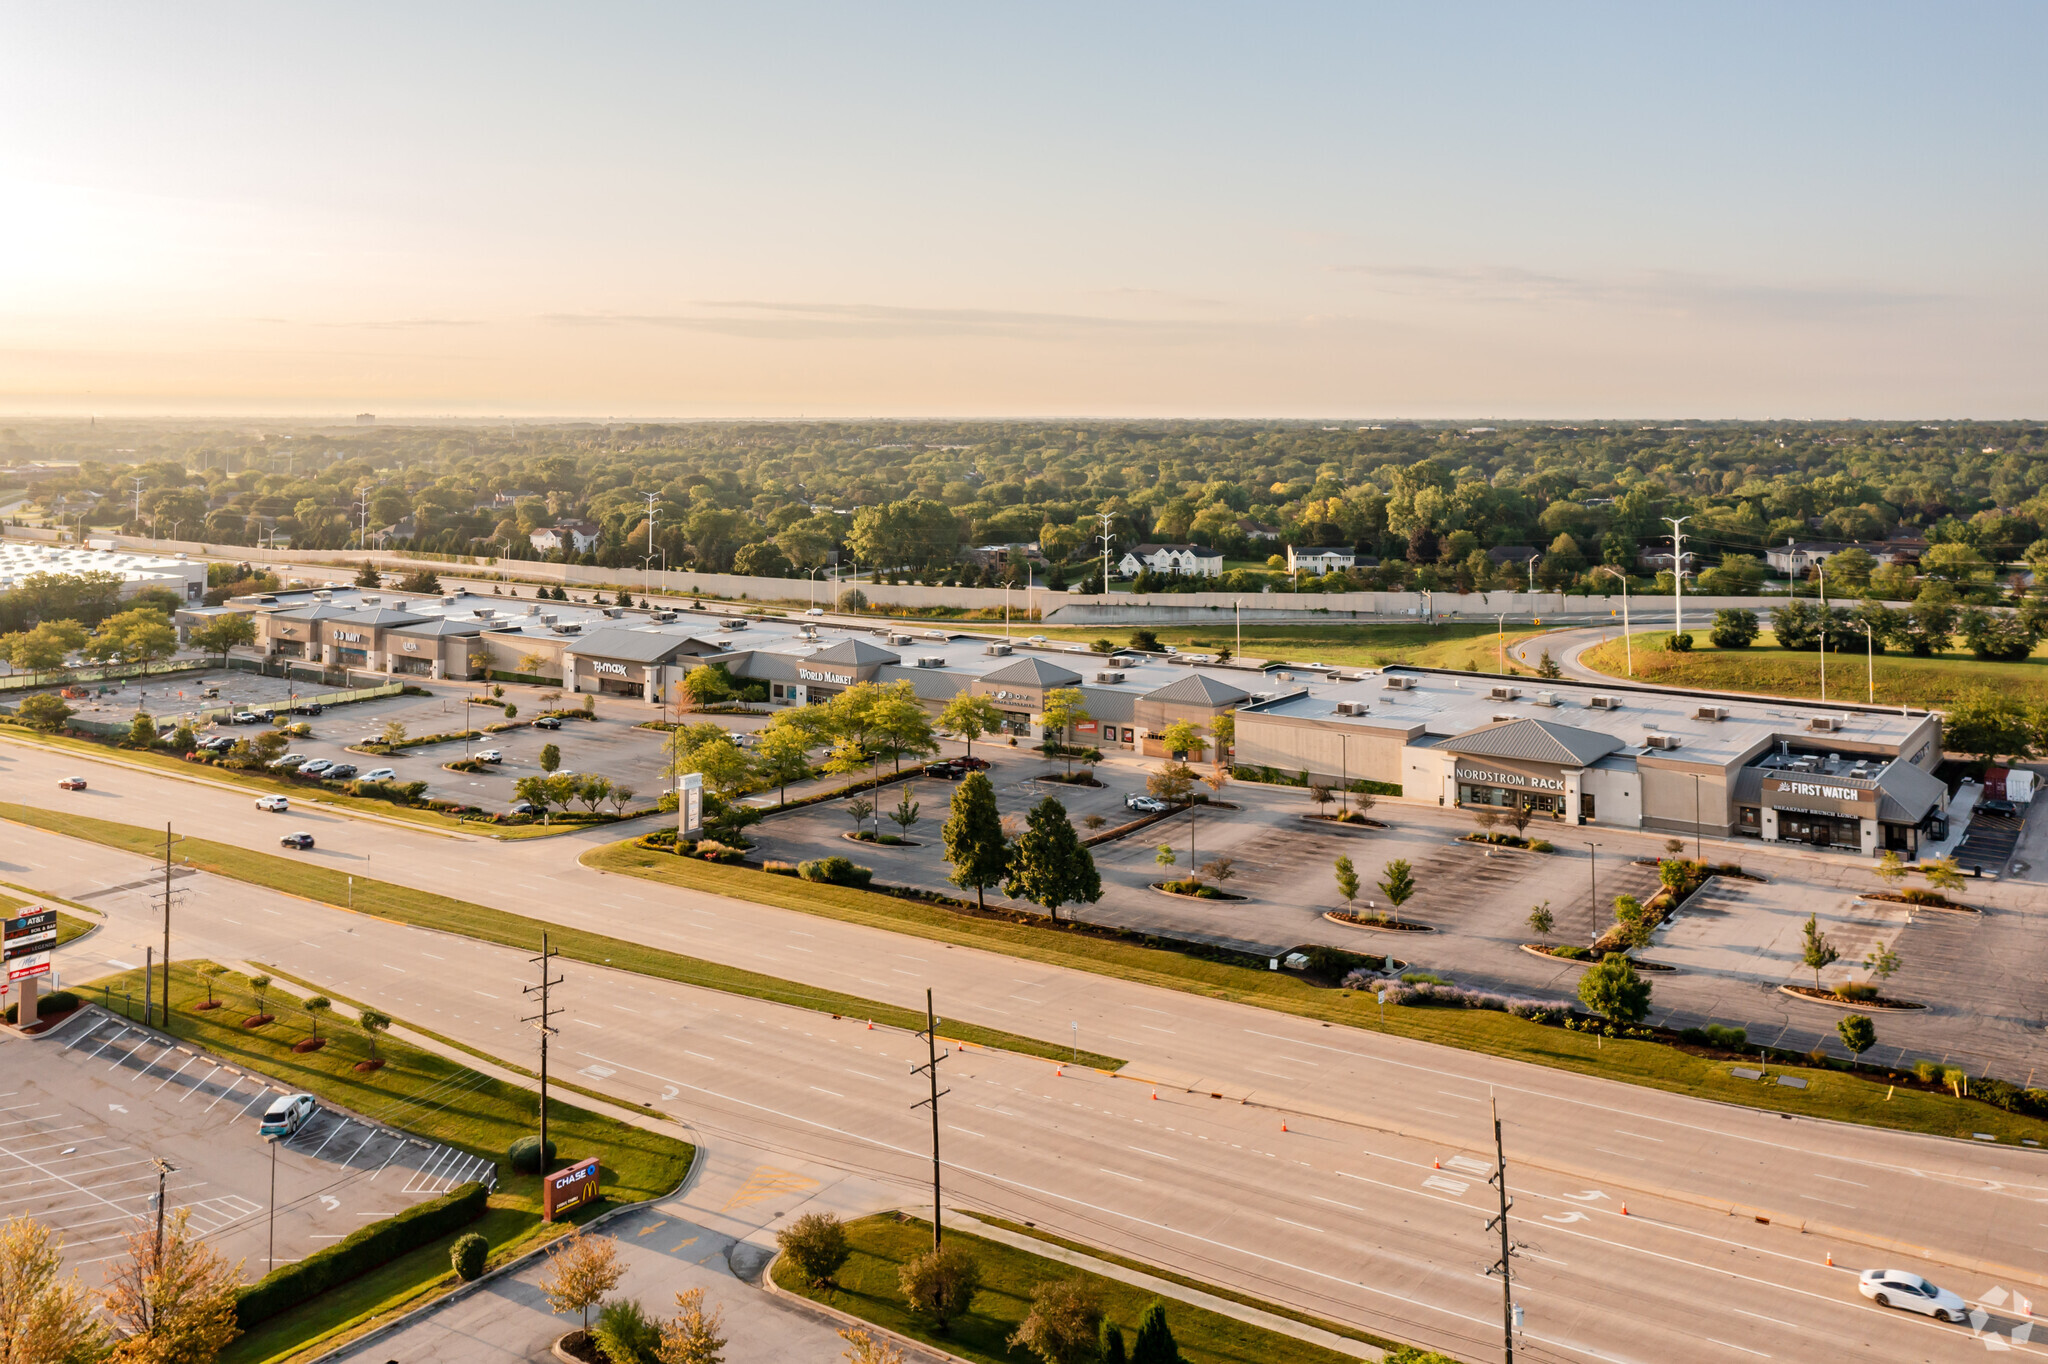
773,210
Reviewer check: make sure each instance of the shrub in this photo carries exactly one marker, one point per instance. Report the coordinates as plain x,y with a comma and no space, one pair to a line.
816,1245
1679,643
467,1256
779,868
626,1334
1856,990
1571,952
56,1002
835,871
1335,961
1540,845
1734,1039
524,1155
377,1244
1916,896
1926,1072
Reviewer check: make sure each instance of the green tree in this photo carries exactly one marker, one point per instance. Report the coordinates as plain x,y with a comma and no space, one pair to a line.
394,733
1943,873
1181,737
550,758
1734,629
43,1317
1890,868
1155,1343
1347,881
727,770
537,792
900,725
1064,1325
1858,1033
1066,709
314,1007
1988,724
366,571
45,711
1816,951
905,815
45,647
1541,921
940,1284
223,633
1166,856
970,717
1223,729
858,808
142,730
372,1023
782,755
1398,884
1612,989
141,635
815,1245
1049,865
707,686
1881,961
973,836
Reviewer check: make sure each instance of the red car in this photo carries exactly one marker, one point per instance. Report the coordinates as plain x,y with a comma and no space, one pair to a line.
71,784
973,764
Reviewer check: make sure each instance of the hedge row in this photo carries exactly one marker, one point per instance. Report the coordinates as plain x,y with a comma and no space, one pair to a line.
362,1251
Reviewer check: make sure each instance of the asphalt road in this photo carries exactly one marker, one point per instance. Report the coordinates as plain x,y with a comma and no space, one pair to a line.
1369,1207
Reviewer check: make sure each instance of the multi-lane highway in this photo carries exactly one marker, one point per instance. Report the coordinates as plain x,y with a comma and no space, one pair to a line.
1369,1207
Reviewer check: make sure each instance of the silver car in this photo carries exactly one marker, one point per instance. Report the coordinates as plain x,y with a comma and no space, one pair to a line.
1901,1288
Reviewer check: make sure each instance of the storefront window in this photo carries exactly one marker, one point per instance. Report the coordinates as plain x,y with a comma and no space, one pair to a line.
1750,818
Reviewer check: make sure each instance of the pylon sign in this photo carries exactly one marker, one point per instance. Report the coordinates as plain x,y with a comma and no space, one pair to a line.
29,942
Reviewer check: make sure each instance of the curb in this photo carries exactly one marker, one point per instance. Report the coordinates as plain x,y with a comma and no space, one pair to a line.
1852,1004
811,1305
1334,917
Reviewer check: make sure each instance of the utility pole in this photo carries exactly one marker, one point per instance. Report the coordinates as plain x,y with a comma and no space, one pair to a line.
148,984
164,1169
1508,1310
165,899
1105,537
931,1069
1677,574
1821,568
546,1030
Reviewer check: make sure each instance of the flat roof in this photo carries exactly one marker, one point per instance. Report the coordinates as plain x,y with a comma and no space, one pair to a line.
1446,705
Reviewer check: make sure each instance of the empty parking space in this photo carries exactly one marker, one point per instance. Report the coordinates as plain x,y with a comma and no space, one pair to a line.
83,1117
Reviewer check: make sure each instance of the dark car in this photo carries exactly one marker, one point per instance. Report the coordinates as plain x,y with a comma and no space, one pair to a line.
973,764
301,840
309,708
947,771
1998,809
547,722
339,772
521,807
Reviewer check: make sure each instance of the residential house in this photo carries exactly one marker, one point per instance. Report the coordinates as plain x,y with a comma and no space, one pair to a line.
1256,530
1795,557
578,537
1193,561
1518,555
1325,559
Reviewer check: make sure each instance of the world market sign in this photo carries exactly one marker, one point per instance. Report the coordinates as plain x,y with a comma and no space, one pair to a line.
841,679
1487,775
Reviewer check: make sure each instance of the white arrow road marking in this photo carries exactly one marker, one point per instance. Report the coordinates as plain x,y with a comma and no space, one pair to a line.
1566,1217
669,1093
331,1201
1587,1197
116,1108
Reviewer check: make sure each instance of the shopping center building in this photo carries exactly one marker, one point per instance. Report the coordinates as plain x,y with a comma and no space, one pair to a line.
1613,755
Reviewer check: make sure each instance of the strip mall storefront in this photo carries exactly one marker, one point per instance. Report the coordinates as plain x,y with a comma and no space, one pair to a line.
1819,812
1483,782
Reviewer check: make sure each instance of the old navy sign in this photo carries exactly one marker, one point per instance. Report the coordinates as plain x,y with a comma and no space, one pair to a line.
1486,774
842,679
570,1188
348,636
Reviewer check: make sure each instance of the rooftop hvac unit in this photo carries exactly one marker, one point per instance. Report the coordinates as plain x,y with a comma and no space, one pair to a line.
447,600
1506,693
996,650
1283,677
936,634
1826,724
1353,708
732,623
1502,719
665,617
615,612
1605,703
548,618
1400,684
1109,677
532,609
570,629
1710,713
1661,741
323,596
371,601
807,631
485,612
1546,698
931,661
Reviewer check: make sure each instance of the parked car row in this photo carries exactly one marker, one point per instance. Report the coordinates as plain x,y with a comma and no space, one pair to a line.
953,769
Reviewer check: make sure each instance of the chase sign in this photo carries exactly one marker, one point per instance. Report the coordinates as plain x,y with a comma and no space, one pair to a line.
569,1188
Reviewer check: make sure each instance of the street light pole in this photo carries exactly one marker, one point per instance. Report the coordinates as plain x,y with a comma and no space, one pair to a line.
1821,570
1593,877
1500,642
1697,855
1627,647
1677,573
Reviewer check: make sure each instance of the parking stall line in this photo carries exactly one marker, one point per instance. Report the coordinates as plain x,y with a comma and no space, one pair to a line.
224,1093
330,1137
200,1083
109,1042
396,1147
369,1137
261,1090
423,1177
179,1071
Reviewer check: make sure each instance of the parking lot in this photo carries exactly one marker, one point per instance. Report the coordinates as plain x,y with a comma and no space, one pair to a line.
83,1115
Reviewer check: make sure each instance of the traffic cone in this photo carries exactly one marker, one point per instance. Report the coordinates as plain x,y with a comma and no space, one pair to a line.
1283,1124
1058,1071
871,1025
1155,1096
1624,1210
1436,1165
1831,1259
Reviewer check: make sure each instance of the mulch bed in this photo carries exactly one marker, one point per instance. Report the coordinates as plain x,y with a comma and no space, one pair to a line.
1892,898
870,841
374,1063
310,1044
1591,959
1346,823
580,1345
1062,779
1831,998
1389,925
1214,894
1519,845
258,1020
209,1004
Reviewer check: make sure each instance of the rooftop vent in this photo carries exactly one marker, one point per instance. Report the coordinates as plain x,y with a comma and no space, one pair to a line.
807,631
372,601
1666,741
570,629
996,650
733,623
936,634
532,609
1502,719
1353,707
1506,693
1400,684
930,661
615,612
1546,698
1283,677
1825,724
485,612
895,639
323,596
1710,713
665,617
548,618
448,600
1605,703
1109,678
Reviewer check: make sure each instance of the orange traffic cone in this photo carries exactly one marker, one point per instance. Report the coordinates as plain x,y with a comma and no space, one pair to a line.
871,1025
1624,1210
1831,1259
1283,1124
1155,1096
1058,1071
1436,1165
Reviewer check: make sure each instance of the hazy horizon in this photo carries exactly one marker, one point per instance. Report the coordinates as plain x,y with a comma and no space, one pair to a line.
1311,213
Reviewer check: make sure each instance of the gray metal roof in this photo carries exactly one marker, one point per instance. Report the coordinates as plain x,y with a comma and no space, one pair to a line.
927,684
1908,793
1109,705
631,646
857,652
1036,672
1198,690
1543,741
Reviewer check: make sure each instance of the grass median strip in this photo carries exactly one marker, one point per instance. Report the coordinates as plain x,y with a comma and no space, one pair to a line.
884,1243
1834,1094
420,1092
424,909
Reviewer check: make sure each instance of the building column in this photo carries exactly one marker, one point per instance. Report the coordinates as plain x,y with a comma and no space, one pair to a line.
327,655
1770,824
1449,799
1870,830
568,672
1572,783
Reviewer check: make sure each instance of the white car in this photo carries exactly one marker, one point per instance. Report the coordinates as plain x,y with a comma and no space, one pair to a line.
288,1115
1146,805
280,804
490,755
1902,1288
290,760
380,774
815,611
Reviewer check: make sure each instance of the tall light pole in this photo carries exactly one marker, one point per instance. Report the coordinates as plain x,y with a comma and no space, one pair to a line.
1105,537
1500,642
1239,608
1532,578
930,1069
1677,573
271,1259
1869,663
1627,649
1593,879
1820,568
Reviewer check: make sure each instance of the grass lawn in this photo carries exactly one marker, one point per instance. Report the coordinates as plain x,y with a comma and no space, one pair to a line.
422,1093
402,904
1829,1093
1901,680
1450,645
262,783
884,1243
